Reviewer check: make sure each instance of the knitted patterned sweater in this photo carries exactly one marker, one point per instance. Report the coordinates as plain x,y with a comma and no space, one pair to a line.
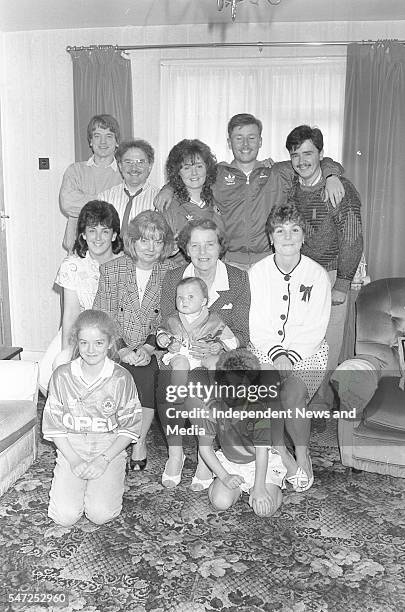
333,237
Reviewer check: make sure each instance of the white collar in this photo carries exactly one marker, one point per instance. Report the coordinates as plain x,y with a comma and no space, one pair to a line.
106,372
144,188
92,262
221,281
314,181
90,162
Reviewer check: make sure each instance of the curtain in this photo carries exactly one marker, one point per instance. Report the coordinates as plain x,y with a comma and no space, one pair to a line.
101,84
202,95
374,149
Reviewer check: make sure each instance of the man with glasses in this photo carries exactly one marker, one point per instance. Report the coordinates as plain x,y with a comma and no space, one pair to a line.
135,193
83,180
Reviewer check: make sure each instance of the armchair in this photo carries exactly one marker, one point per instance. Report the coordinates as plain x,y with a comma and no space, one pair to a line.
18,417
374,440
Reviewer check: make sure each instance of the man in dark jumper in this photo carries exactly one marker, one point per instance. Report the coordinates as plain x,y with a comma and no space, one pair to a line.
333,236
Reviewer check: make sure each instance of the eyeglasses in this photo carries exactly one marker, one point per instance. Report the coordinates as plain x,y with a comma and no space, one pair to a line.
137,163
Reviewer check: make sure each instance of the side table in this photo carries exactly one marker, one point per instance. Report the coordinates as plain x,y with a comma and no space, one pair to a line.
10,352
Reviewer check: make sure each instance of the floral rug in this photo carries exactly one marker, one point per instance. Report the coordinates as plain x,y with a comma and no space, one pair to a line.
337,547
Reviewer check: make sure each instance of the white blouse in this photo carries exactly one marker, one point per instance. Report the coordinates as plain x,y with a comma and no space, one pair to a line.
289,313
80,274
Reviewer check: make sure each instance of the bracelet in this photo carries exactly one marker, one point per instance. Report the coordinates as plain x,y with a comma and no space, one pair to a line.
105,457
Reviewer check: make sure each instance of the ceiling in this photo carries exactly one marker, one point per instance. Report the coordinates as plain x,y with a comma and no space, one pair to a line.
65,14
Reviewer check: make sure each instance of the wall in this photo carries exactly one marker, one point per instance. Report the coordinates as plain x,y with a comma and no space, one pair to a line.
37,112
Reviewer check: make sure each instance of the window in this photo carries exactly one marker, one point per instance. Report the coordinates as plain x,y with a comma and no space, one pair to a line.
198,97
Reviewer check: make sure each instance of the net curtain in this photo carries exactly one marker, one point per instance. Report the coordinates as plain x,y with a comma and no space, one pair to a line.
102,83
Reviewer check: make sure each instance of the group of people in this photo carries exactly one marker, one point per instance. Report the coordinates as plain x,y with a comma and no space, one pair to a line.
232,271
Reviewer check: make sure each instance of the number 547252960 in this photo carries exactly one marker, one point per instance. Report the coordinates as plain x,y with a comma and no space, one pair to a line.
28,597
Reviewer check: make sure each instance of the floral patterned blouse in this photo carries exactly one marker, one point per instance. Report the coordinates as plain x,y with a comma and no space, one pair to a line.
80,274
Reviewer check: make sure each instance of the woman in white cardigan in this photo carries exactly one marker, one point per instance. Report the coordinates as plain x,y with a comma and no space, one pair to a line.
289,314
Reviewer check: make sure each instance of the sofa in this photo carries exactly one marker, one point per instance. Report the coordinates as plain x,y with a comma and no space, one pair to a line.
371,428
18,419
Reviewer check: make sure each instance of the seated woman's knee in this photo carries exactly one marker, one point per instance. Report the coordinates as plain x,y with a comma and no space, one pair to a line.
293,392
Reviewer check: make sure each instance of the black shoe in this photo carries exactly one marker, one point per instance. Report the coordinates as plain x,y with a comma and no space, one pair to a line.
138,465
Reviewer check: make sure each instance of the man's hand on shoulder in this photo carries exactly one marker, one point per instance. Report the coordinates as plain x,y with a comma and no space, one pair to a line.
338,297
334,190
164,198
268,162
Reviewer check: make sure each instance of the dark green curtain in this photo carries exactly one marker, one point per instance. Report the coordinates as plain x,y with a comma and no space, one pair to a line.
374,149
102,83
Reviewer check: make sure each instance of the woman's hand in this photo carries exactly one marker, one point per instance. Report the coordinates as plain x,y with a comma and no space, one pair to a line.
140,357
143,355
127,355
334,190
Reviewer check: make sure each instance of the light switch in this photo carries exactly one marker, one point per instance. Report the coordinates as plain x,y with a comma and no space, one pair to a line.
43,163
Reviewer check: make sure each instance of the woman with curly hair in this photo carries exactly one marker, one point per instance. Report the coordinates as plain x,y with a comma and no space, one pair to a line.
191,170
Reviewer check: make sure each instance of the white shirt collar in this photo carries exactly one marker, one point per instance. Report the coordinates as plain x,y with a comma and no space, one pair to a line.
113,165
221,281
314,181
145,187
106,372
92,262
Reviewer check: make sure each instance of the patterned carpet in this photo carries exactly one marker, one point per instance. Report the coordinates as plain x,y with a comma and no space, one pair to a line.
337,547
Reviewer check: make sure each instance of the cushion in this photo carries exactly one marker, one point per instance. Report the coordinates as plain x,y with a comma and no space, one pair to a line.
386,410
18,380
379,451
14,416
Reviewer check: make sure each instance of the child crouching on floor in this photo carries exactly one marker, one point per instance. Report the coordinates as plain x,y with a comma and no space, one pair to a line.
246,461
92,413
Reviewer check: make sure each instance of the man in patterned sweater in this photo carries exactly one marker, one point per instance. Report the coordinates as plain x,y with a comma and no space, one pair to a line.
333,236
